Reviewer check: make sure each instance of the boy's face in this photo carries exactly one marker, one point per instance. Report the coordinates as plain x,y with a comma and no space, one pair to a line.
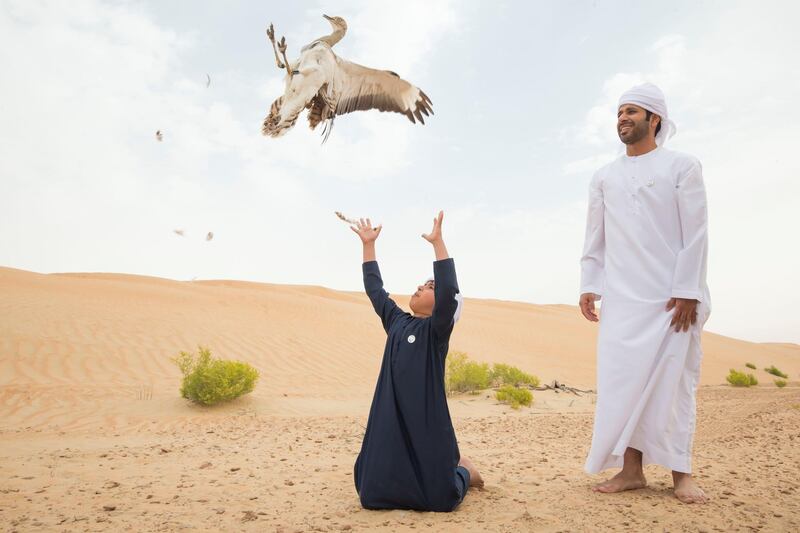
422,301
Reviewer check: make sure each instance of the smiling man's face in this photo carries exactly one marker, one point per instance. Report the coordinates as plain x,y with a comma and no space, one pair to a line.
633,125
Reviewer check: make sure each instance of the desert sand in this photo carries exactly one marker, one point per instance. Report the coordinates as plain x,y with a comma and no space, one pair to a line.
95,437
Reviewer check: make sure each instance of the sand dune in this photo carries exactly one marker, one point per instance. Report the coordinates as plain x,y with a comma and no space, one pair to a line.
87,386
68,341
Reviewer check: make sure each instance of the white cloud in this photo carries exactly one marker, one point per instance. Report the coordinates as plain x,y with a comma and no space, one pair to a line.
589,164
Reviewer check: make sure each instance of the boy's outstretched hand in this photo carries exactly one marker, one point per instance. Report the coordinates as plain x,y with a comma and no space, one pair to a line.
436,232
365,231
435,238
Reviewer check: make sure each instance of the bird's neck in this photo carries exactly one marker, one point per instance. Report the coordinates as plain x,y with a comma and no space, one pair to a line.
333,38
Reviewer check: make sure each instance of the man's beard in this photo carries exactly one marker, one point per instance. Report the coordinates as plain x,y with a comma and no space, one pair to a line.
637,132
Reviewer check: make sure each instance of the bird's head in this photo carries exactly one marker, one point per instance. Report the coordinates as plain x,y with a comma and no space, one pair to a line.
338,23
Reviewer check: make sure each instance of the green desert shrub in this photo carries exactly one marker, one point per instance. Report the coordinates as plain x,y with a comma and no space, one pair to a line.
781,383
464,375
750,365
775,372
503,374
209,381
740,379
514,396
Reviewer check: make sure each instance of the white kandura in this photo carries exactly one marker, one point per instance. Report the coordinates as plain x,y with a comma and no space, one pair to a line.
642,248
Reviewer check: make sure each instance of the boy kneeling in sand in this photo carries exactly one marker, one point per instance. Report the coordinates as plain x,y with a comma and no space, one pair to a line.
409,458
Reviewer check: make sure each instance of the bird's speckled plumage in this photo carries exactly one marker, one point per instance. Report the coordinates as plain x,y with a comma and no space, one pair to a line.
328,86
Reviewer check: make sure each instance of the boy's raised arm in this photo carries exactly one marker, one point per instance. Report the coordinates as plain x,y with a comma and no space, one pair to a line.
445,282
373,283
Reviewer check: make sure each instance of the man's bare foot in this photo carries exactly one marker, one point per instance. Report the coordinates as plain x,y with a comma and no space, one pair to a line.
622,481
686,490
475,479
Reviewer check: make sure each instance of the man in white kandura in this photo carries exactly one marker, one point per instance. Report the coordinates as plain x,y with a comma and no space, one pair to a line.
645,253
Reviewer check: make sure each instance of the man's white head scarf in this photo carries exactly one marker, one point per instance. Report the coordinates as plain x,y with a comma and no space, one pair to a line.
650,97
460,301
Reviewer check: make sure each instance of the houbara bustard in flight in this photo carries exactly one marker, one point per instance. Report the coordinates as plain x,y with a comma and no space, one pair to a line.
328,86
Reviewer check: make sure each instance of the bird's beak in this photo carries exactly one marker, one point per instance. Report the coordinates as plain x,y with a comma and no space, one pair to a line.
327,18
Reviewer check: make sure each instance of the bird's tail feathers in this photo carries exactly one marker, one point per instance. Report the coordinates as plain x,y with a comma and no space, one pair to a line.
320,108
275,124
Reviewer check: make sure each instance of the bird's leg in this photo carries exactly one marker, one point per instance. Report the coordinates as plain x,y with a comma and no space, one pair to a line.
271,36
282,48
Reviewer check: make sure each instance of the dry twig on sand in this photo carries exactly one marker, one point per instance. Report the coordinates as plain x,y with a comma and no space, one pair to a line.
561,387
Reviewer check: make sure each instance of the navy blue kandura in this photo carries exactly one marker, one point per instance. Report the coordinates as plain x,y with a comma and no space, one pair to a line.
409,457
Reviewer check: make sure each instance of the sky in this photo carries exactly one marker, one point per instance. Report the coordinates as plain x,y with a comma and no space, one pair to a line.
524,95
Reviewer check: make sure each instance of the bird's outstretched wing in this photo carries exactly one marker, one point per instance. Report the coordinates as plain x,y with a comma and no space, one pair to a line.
368,88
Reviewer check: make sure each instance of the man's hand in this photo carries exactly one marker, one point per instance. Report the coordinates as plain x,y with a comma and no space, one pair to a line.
587,306
685,314
436,232
365,231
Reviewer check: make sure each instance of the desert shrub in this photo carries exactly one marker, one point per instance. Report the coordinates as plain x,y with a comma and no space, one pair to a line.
750,365
775,372
740,379
464,375
514,396
503,374
781,383
209,381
